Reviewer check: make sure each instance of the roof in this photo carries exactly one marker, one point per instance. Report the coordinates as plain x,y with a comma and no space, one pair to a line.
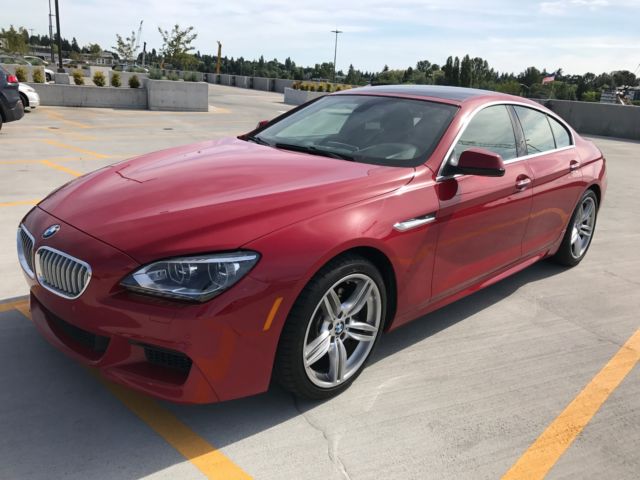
457,94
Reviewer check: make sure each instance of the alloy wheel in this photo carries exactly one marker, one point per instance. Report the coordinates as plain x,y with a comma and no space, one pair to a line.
342,330
583,225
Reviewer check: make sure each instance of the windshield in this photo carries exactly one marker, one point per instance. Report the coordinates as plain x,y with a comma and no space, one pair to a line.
381,130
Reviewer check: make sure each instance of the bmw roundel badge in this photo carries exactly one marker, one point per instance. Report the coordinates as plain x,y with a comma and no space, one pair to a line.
51,231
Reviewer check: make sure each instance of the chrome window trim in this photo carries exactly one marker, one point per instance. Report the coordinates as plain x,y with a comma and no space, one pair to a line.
21,254
473,113
69,257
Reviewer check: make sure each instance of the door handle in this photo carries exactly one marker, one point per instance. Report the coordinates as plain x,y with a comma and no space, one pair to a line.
574,165
522,182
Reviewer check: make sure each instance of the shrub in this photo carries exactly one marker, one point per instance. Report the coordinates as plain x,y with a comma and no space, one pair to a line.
115,79
38,75
134,82
190,77
173,76
98,79
78,77
636,103
21,74
296,85
338,88
155,74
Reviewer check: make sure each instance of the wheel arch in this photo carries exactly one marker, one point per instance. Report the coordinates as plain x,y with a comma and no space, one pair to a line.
383,264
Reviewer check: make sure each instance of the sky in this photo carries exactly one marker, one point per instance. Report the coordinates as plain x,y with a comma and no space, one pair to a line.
575,35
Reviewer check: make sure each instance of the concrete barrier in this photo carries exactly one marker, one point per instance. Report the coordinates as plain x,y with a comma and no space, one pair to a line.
85,96
177,96
225,79
280,84
262,83
242,81
298,97
603,119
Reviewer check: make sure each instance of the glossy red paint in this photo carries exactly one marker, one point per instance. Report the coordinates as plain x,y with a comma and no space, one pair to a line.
298,211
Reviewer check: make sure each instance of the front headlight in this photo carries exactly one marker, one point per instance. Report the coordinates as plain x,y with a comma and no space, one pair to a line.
198,278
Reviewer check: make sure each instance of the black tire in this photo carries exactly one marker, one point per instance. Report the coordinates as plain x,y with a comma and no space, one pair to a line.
47,77
25,100
566,254
289,368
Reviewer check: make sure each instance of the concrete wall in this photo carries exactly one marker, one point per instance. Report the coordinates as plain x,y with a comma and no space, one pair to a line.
177,96
243,82
11,68
298,97
599,118
84,96
224,79
280,84
262,83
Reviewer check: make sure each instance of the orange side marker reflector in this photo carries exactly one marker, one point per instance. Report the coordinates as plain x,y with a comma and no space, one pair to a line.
272,314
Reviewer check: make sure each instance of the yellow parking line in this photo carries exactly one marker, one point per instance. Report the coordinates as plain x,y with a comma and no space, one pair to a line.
61,168
55,143
15,304
272,314
60,117
542,455
18,203
205,457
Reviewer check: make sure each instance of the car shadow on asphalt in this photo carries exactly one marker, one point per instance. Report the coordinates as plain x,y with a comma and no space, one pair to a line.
229,422
49,404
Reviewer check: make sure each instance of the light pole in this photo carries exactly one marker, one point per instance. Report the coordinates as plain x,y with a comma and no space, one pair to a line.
335,53
53,59
60,69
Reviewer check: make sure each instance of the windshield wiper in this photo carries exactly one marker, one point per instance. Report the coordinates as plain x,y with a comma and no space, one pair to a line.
258,140
314,151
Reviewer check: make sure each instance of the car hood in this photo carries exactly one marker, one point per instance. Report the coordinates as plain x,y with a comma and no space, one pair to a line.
212,196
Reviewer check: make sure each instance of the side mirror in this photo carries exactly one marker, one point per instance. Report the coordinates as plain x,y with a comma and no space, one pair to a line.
262,123
477,161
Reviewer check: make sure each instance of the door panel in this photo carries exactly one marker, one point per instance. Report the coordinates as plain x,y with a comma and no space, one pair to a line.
482,224
556,189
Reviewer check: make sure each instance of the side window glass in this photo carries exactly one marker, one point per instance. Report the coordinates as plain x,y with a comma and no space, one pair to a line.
536,130
560,133
490,129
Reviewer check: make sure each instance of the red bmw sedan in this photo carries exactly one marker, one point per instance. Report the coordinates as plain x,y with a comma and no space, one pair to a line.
197,273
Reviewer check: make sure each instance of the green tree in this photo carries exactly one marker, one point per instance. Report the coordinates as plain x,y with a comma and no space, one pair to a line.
15,41
176,44
466,72
126,48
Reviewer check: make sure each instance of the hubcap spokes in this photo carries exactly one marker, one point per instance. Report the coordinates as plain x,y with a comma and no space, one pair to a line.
342,330
582,229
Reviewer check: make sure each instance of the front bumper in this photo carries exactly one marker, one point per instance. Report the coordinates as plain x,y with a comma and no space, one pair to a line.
187,353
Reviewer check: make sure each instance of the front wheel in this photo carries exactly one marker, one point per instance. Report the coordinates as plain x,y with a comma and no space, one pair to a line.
332,329
579,234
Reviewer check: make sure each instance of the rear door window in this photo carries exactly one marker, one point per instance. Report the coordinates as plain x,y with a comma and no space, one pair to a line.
537,130
560,133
